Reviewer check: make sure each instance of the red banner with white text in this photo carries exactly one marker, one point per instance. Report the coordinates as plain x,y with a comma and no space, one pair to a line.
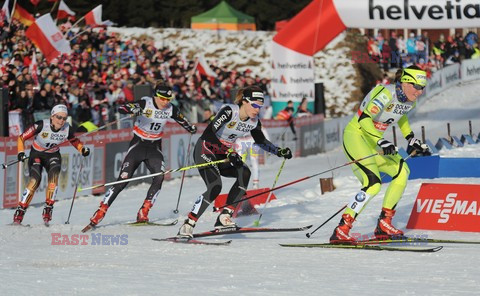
452,207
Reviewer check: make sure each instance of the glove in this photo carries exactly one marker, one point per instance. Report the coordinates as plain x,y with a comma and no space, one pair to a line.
21,156
387,146
192,129
235,159
417,146
134,109
284,152
85,151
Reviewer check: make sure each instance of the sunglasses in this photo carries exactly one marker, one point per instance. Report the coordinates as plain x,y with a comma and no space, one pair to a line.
254,105
163,98
417,86
60,117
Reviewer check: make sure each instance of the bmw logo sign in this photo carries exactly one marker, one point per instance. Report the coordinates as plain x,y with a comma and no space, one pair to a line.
360,197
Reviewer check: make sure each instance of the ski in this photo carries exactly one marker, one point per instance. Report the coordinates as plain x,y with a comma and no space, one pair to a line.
17,224
148,223
366,247
237,230
191,241
91,226
88,228
417,241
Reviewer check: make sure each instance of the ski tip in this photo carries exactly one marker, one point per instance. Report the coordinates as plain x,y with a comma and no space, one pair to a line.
436,249
308,226
18,224
87,228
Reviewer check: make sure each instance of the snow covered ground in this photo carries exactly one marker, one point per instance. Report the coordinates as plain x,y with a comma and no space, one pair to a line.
254,264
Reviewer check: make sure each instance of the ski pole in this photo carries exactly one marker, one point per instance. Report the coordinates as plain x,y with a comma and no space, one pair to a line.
287,127
75,191
326,221
5,165
157,174
187,157
298,180
257,222
338,212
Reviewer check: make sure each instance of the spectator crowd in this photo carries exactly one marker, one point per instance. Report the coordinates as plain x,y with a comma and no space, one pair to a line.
101,73
396,51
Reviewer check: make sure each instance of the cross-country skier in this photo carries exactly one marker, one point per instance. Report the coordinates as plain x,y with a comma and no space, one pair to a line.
383,106
216,143
152,114
48,133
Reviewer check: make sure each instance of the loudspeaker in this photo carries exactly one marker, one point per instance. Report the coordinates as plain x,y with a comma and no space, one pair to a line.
4,99
142,90
319,99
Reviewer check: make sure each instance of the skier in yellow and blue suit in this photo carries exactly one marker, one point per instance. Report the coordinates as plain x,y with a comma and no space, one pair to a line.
383,106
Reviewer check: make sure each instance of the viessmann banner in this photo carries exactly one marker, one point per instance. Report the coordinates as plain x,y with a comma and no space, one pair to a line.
452,207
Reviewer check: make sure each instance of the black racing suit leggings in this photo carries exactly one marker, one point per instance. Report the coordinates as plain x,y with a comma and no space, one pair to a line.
149,152
211,175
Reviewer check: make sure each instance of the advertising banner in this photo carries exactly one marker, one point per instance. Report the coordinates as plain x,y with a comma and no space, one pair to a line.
11,188
293,77
312,139
409,14
435,84
470,70
332,136
450,75
451,207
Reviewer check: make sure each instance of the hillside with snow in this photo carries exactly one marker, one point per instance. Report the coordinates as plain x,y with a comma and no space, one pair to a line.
242,50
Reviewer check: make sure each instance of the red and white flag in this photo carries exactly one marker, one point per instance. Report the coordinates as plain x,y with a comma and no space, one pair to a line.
5,13
46,37
64,11
94,18
203,68
33,68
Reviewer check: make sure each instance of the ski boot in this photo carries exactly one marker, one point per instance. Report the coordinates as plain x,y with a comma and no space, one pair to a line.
142,215
99,214
341,234
385,229
186,230
19,213
224,220
47,211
